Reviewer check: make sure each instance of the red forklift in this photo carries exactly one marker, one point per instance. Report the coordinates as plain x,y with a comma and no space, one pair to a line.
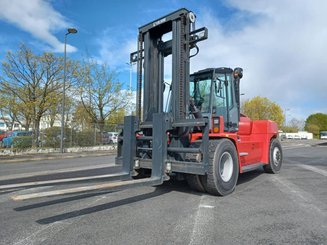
191,128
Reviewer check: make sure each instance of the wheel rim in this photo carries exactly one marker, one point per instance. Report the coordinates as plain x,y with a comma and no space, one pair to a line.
276,156
226,166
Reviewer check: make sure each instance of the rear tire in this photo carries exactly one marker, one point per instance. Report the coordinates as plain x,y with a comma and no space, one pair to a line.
195,182
275,157
223,168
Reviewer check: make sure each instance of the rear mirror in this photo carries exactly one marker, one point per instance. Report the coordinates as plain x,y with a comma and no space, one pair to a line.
238,73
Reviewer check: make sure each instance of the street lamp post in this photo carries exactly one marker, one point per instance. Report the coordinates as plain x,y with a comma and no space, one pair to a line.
286,110
73,31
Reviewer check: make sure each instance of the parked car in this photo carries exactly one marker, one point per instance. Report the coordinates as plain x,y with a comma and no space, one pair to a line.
113,137
297,137
109,138
103,138
2,135
323,135
10,136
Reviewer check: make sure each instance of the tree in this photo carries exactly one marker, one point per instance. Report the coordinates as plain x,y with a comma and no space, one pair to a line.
295,123
115,119
7,111
314,129
12,110
261,108
293,126
100,94
289,129
316,123
35,81
81,117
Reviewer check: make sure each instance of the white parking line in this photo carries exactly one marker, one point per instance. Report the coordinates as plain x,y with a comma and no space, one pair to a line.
45,232
31,239
299,196
206,206
203,218
313,169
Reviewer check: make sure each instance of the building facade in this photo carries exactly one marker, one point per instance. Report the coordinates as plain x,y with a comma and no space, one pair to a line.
7,125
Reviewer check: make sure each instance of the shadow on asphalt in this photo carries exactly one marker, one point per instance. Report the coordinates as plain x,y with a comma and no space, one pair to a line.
106,206
166,187
249,176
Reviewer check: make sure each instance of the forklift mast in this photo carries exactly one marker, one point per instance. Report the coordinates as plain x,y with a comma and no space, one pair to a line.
150,56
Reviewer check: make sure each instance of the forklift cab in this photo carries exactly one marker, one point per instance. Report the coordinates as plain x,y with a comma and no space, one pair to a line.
215,92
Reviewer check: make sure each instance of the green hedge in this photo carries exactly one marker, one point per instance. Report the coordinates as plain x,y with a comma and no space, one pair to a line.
51,137
84,138
22,142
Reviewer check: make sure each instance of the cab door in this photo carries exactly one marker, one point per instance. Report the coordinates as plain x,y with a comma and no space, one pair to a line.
223,101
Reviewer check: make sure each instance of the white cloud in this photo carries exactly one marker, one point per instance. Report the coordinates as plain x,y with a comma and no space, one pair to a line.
279,44
115,48
36,17
281,49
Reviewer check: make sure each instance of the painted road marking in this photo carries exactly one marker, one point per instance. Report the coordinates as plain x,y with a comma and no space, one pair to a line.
300,197
46,232
203,219
313,169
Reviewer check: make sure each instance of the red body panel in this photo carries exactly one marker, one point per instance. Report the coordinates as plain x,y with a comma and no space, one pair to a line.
252,140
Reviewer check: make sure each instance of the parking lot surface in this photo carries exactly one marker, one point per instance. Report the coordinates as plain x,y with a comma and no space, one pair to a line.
288,208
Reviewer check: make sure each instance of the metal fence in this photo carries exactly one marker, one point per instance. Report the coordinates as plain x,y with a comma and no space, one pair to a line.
77,136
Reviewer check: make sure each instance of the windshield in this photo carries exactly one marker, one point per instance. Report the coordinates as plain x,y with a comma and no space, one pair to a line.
206,93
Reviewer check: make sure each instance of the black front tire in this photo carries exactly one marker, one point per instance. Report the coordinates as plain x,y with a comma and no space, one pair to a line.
223,168
275,157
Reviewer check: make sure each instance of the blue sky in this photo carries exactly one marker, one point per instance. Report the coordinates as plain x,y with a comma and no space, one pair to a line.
280,44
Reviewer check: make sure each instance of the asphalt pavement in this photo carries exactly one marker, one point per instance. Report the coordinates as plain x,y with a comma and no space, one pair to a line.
287,208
